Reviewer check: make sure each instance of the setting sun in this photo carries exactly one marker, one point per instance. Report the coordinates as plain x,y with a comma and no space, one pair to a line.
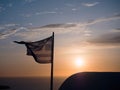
79,62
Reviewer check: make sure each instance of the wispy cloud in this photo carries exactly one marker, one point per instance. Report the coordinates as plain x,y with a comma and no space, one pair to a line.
116,30
107,39
71,6
11,25
29,1
28,15
35,32
5,34
45,12
74,9
66,25
105,19
8,30
90,4
91,22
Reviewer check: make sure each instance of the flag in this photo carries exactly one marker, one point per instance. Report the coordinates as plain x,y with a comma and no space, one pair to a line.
40,50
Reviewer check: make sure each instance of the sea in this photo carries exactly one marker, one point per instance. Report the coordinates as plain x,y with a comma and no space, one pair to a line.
30,83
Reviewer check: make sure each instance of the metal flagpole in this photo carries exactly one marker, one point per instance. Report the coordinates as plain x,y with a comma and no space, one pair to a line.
52,63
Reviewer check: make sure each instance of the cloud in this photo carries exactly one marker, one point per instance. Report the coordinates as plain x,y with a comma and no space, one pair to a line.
114,17
59,28
111,38
90,4
11,25
8,30
35,32
91,22
45,12
116,30
5,34
29,1
74,9
28,15
66,25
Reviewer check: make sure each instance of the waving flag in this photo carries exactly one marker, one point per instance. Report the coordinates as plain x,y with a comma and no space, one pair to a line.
40,50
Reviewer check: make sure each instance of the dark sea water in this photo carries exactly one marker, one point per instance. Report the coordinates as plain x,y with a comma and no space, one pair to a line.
31,83
78,81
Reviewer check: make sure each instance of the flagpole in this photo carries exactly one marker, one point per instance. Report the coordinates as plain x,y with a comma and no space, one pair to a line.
52,63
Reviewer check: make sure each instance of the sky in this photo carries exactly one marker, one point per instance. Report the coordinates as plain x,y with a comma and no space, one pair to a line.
85,30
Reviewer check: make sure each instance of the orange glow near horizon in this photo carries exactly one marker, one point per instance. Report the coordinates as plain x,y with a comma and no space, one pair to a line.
66,63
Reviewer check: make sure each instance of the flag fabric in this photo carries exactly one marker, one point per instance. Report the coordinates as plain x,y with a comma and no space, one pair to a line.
40,50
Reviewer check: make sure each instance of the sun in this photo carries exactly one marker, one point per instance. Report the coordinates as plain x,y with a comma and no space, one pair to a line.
79,62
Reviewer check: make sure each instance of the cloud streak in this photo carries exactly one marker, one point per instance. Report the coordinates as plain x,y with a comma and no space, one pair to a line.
90,4
112,38
45,12
116,30
28,15
91,22
67,25
29,1
8,30
114,17
5,34
14,29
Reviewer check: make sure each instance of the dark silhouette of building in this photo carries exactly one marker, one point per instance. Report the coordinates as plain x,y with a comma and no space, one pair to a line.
92,81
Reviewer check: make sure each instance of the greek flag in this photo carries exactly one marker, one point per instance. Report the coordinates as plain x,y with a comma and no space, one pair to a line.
40,50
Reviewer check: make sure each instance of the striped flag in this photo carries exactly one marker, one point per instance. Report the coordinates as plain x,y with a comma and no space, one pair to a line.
40,50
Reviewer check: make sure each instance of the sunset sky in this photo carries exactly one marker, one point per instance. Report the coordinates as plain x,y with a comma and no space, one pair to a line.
86,32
